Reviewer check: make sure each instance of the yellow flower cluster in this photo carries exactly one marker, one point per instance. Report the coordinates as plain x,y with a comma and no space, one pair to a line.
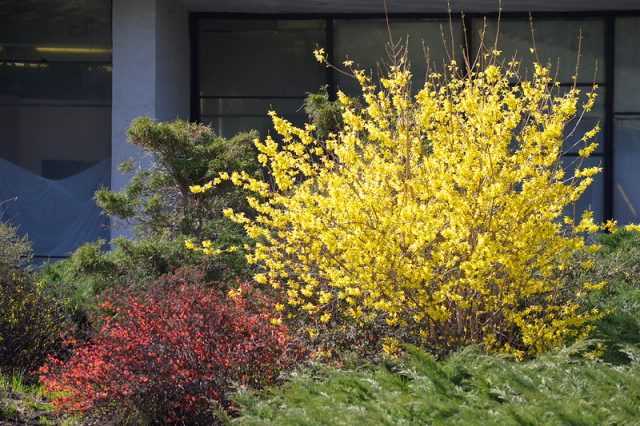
439,213
207,248
611,226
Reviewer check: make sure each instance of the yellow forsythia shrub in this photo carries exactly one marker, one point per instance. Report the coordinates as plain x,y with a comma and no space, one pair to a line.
439,215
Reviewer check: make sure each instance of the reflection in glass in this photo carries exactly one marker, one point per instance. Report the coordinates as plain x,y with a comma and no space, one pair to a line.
55,141
87,82
229,116
627,65
260,57
364,41
55,119
556,42
55,84
626,195
56,30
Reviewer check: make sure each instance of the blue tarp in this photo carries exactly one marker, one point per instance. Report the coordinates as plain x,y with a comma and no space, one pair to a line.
57,215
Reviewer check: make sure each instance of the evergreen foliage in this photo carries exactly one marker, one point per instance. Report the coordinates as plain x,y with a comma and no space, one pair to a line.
469,388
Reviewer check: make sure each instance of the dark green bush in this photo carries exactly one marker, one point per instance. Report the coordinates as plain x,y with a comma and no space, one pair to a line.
163,213
157,200
31,320
618,263
15,251
91,270
323,113
467,388
128,263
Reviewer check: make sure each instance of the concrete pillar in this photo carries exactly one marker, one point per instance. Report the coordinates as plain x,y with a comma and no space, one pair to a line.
173,66
151,72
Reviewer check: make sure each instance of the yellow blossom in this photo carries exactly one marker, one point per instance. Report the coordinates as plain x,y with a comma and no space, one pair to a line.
440,212
319,55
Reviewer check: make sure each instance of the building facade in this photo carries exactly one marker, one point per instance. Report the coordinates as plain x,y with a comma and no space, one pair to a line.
74,73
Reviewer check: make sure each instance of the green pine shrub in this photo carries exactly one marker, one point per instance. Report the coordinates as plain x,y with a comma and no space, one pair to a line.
157,200
163,213
618,263
560,387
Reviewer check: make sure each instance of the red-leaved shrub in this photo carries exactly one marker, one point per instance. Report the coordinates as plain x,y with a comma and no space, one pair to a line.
171,354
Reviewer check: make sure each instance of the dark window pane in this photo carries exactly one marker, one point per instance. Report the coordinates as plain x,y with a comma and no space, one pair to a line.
41,138
70,30
55,119
230,116
26,81
250,106
627,65
260,57
364,42
593,198
556,42
55,84
626,195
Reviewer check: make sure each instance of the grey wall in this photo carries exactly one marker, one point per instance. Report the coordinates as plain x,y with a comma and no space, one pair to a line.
134,75
172,61
150,73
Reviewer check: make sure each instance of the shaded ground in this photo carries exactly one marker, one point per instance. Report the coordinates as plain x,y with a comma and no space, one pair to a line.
22,404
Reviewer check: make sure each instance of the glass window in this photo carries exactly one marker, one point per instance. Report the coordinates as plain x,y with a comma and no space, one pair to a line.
626,191
556,42
40,138
56,30
626,142
55,119
55,81
230,116
274,71
55,85
269,58
364,41
627,65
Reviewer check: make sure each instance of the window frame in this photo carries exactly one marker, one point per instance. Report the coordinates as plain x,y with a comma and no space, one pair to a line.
608,18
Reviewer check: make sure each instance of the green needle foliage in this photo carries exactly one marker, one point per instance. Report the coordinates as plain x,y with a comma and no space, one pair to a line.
617,262
323,113
157,200
558,388
470,388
